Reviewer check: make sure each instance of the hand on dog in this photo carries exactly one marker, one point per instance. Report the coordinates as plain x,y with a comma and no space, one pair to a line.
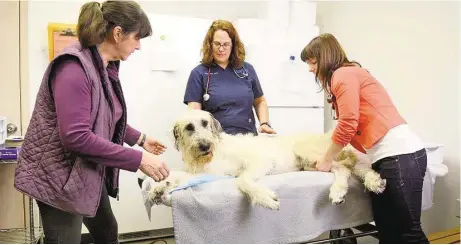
266,129
153,167
154,146
324,165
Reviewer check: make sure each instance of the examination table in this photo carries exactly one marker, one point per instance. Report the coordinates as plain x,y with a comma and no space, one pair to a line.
216,212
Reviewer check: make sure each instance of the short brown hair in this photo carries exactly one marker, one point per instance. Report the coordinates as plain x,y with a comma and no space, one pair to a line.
329,55
96,21
237,56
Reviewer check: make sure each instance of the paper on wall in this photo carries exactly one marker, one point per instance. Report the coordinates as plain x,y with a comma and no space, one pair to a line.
303,13
164,56
251,30
61,41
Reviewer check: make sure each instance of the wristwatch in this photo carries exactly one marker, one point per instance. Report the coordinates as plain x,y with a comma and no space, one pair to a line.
142,140
265,123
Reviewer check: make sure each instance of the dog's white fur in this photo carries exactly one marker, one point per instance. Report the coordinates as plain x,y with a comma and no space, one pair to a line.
207,149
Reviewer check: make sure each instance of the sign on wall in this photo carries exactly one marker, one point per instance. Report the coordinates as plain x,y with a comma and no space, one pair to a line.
59,37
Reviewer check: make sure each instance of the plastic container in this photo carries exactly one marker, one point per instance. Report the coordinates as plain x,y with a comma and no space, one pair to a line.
3,132
435,168
435,153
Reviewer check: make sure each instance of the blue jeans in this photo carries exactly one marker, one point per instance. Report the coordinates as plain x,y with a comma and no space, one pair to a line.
397,211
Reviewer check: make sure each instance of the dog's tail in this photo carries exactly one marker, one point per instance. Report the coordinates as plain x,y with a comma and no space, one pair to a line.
141,177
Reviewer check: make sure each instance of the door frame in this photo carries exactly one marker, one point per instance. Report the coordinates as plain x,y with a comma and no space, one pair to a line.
24,64
31,214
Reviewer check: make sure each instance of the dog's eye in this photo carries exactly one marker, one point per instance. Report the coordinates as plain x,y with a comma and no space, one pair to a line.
190,127
204,123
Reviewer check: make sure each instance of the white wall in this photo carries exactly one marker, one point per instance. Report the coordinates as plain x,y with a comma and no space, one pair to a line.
154,97
406,45
413,48
66,11
130,210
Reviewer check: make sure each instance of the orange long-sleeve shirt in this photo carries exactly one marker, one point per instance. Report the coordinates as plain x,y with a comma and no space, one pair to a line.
364,108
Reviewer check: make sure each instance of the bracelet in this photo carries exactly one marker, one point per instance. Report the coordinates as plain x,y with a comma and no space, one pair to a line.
265,123
142,140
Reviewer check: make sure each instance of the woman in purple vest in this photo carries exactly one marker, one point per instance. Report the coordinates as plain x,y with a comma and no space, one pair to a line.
73,148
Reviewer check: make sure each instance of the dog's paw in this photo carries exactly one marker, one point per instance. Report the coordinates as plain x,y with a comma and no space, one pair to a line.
337,194
379,187
266,198
374,183
159,192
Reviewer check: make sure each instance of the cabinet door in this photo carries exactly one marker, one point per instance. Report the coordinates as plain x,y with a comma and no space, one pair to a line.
11,201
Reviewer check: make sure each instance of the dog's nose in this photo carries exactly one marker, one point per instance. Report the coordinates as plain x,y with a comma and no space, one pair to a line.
204,147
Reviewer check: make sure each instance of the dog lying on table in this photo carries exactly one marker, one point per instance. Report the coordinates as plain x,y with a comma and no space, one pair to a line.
206,149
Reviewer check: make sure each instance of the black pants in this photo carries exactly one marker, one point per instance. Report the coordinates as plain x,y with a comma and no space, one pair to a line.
63,227
397,211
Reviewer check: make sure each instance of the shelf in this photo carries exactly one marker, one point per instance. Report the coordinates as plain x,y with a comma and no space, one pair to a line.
21,236
8,161
18,207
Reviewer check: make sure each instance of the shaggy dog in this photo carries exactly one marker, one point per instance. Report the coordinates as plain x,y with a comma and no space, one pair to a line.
206,149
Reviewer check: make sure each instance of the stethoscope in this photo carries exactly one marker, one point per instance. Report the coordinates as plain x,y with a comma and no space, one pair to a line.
240,73
331,99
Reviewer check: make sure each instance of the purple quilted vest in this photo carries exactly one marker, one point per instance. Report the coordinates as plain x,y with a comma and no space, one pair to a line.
51,174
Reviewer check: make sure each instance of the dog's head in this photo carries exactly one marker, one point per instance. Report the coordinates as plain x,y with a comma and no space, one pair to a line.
196,134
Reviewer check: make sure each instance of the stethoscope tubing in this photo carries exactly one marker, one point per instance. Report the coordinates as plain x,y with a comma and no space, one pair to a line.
206,96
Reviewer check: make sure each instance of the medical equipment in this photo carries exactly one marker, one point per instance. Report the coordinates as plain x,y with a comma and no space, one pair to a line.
201,179
240,73
206,96
197,180
332,100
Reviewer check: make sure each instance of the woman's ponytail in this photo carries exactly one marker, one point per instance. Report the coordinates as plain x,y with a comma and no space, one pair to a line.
91,26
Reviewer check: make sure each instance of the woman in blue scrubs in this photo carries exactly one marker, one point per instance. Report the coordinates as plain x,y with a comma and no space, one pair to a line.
227,86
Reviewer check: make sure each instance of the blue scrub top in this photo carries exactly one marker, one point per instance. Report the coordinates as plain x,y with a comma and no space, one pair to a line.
231,97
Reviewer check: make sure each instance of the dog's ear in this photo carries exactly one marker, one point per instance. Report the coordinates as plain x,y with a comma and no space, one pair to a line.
176,134
215,126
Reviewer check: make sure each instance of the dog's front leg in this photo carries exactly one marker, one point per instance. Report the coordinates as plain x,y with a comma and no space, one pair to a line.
338,189
159,190
256,193
371,179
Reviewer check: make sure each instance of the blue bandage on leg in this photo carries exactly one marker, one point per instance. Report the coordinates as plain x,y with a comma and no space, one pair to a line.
200,179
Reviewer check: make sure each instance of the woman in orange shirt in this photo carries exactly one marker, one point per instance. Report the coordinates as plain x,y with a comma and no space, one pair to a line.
369,121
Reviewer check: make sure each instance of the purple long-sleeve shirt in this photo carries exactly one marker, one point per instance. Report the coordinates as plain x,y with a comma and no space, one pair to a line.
72,95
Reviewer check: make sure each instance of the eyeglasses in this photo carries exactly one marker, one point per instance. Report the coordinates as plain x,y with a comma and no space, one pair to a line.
217,45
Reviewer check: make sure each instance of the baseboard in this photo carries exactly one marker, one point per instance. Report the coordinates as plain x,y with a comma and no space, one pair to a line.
451,236
136,236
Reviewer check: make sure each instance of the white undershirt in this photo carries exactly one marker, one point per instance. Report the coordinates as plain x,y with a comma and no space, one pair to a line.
398,140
